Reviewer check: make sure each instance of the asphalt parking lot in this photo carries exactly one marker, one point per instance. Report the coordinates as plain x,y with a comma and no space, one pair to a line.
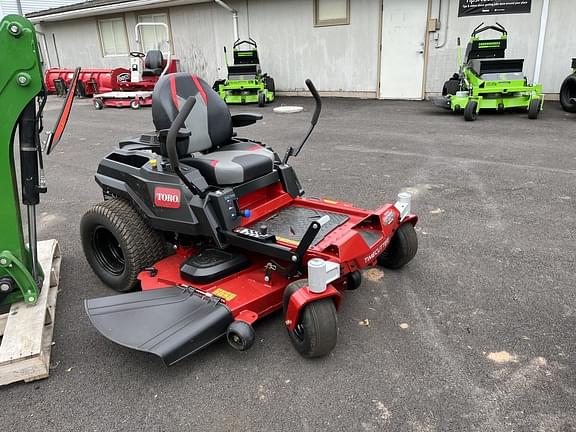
476,334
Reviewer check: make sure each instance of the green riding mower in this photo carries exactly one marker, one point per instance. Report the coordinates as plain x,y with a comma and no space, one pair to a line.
245,83
568,91
487,80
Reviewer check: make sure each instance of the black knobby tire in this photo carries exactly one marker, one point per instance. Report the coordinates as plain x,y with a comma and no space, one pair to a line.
119,244
269,84
316,332
451,87
261,99
568,94
402,248
217,83
534,109
353,280
471,112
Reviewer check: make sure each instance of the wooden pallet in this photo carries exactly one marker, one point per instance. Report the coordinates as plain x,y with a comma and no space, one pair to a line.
27,330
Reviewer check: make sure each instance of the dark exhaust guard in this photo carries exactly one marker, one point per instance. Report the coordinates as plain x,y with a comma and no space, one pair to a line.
169,322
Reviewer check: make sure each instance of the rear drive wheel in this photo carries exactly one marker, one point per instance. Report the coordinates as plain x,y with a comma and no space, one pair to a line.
471,112
316,332
261,99
217,84
451,87
568,94
534,109
119,244
270,85
402,248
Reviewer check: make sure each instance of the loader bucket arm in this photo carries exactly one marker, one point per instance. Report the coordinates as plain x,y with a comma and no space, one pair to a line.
20,84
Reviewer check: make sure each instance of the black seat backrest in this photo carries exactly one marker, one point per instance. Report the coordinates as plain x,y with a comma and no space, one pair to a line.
154,59
209,122
487,48
246,57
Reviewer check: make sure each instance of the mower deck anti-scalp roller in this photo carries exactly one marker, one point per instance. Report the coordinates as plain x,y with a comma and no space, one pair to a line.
487,81
215,231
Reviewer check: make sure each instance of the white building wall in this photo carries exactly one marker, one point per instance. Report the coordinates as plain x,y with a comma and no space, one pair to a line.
523,31
338,59
559,45
8,7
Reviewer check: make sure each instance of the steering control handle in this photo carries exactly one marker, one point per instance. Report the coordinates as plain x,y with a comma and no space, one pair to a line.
316,96
173,133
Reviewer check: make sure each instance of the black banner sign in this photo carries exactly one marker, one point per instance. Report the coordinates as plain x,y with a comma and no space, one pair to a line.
493,7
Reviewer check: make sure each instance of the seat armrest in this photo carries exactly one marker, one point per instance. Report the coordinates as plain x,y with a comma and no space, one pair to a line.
245,119
182,133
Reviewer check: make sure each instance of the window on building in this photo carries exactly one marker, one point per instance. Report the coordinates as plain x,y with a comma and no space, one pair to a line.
331,12
113,37
153,37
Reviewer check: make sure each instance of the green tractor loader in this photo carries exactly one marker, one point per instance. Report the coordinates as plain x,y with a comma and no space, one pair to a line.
488,81
22,98
568,91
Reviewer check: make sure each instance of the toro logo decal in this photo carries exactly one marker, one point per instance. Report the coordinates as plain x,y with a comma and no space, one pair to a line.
123,77
167,197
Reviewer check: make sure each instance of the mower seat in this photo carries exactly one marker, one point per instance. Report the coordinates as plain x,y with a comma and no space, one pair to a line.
210,148
153,63
236,164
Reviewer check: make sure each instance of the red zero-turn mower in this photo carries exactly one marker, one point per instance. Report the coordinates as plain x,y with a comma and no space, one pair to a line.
215,230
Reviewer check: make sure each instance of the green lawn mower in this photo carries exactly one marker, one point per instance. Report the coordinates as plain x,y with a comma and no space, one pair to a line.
487,80
568,91
246,83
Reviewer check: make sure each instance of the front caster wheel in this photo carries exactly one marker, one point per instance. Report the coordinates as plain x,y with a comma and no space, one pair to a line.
534,109
471,111
401,249
261,99
316,333
135,104
353,280
240,335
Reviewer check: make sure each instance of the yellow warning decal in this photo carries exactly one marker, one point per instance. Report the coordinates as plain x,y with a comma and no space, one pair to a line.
226,295
329,201
289,241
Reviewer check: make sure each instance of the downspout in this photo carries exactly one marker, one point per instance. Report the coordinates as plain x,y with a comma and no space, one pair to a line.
234,13
541,38
443,16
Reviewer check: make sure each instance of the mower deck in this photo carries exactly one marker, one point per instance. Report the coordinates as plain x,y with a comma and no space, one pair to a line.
174,316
